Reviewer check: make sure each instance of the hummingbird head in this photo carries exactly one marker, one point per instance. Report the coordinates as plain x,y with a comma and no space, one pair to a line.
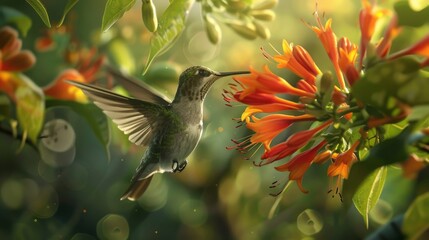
195,82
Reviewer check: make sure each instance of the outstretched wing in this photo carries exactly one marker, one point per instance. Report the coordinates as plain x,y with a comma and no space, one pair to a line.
138,119
137,88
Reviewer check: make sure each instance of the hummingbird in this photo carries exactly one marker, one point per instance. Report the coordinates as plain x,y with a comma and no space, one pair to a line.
170,129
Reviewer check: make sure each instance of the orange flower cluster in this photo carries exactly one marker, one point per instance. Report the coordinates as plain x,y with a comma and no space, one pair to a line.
321,99
12,59
89,64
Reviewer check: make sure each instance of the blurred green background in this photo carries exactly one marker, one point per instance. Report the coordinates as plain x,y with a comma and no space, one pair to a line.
220,195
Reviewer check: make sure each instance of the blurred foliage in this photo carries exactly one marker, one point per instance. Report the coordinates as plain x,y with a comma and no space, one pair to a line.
61,184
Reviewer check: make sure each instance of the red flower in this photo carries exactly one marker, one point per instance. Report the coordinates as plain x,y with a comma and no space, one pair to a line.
316,97
267,128
368,17
329,41
419,48
297,60
348,53
343,162
61,90
292,144
299,164
87,68
266,82
12,58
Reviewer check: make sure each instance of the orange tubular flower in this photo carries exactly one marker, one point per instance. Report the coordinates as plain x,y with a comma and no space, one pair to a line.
348,53
263,102
297,59
292,144
329,42
368,17
343,162
299,164
267,128
87,68
412,166
267,82
383,47
260,98
420,48
61,90
268,108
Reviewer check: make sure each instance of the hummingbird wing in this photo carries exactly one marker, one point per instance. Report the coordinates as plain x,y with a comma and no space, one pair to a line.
137,88
136,118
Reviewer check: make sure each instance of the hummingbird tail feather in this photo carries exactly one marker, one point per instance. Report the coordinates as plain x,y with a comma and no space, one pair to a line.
136,189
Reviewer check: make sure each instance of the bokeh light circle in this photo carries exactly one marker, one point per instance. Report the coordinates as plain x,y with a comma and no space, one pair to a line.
58,135
57,145
309,222
12,193
45,204
198,48
113,227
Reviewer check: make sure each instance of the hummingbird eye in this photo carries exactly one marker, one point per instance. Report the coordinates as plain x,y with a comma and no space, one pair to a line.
202,72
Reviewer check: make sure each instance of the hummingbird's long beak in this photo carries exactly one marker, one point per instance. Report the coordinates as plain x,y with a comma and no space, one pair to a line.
224,74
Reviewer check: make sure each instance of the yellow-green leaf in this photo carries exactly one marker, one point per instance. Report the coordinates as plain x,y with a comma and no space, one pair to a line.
416,219
369,192
30,106
171,24
379,156
41,10
113,11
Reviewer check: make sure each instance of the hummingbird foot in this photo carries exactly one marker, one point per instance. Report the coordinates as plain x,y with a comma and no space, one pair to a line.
178,168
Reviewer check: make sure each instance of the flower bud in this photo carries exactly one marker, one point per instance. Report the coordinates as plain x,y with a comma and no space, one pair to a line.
237,5
264,15
267,4
213,30
323,156
149,15
245,30
262,31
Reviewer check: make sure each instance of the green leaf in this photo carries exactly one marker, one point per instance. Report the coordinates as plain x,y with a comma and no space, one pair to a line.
409,17
171,24
69,6
369,192
93,116
41,10
390,151
398,79
113,11
416,219
12,16
30,106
